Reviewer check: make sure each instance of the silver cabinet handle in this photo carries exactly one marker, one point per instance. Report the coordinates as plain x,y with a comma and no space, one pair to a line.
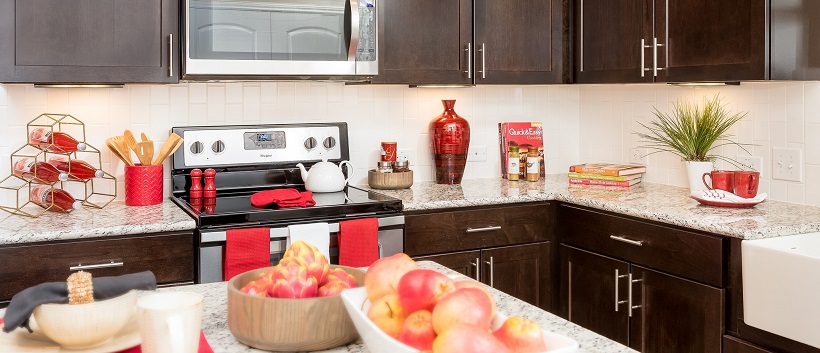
618,279
483,229
655,56
477,265
491,271
625,240
643,58
630,294
483,51
469,51
170,55
96,266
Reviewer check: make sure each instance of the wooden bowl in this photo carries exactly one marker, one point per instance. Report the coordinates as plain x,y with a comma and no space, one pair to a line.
289,325
389,181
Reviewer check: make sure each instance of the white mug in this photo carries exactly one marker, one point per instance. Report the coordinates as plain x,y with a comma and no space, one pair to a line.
170,322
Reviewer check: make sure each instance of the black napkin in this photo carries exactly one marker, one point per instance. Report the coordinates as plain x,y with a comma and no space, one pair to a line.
23,303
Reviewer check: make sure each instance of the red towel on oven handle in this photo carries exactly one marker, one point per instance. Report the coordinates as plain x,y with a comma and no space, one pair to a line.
245,249
358,242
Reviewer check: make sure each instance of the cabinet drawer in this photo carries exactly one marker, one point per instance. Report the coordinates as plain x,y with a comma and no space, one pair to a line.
170,257
687,254
449,231
736,345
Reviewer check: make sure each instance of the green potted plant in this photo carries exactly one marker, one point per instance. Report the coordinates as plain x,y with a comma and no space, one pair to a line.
693,132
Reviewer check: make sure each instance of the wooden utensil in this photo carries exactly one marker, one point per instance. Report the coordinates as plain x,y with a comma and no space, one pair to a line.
171,144
122,147
113,147
131,141
147,148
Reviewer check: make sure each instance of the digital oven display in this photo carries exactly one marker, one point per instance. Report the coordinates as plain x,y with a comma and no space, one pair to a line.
265,140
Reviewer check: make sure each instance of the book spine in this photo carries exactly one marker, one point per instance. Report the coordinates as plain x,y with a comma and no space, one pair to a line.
598,182
598,187
599,171
596,176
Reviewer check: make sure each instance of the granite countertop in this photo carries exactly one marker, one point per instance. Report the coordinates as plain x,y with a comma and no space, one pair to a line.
215,325
657,202
114,219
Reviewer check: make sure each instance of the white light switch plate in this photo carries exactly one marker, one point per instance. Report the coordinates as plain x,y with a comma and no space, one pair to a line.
787,164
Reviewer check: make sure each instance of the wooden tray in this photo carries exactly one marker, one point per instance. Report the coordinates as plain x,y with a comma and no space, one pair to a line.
389,181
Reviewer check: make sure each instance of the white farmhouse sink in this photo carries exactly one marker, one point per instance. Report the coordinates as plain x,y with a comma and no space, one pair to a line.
781,286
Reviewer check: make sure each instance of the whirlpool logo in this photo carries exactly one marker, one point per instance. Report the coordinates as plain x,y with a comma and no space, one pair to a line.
265,155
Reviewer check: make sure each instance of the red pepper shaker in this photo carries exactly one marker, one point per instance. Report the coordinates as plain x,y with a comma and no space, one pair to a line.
210,189
196,184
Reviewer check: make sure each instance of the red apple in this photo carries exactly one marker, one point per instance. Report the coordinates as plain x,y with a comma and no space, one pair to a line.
382,277
387,314
467,339
521,335
338,274
479,285
422,289
464,306
333,287
417,331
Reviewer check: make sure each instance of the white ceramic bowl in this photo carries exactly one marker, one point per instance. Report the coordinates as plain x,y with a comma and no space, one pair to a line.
85,325
356,303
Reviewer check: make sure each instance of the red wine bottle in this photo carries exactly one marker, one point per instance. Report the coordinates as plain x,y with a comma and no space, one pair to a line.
75,168
53,199
54,141
38,172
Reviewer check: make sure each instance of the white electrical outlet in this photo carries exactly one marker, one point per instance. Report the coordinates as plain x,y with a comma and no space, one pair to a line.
638,155
477,154
751,163
787,164
405,155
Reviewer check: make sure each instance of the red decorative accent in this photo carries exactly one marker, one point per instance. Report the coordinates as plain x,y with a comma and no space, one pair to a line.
267,197
204,346
196,184
305,200
210,188
210,205
143,185
358,242
450,135
245,249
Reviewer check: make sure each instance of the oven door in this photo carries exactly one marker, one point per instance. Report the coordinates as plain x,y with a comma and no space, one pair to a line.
212,246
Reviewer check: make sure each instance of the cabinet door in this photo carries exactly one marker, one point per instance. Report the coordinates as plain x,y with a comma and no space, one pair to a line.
424,41
89,41
729,43
522,271
518,42
465,262
675,314
592,295
607,41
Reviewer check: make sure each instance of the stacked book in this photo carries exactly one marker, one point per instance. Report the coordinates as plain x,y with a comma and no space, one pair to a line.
608,175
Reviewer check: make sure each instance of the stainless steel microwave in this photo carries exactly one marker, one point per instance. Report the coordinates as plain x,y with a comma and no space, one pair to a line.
280,39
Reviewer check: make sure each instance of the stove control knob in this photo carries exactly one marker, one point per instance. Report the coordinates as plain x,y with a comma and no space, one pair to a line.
310,143
329,142
218,146
197,147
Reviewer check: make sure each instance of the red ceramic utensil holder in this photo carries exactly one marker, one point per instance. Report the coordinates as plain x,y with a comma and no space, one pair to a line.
143,185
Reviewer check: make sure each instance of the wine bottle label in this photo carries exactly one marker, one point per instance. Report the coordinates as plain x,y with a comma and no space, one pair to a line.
39,194
41,134
23,166
532,166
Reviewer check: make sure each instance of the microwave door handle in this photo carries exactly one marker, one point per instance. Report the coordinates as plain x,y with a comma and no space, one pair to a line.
352,28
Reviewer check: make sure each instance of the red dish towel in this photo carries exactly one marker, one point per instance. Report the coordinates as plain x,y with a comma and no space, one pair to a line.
358,242
305,200
245,249
267,197
204,347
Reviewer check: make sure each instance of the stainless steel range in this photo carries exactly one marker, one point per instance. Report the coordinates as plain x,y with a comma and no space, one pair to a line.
249,159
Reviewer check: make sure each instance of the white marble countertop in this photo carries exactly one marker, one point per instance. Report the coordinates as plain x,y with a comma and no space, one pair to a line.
114,219
657,202
215,324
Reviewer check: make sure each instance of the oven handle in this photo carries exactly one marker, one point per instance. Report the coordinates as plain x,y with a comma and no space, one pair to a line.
282,232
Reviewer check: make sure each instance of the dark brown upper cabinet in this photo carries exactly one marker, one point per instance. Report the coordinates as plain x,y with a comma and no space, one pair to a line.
669,40
472,42
89,41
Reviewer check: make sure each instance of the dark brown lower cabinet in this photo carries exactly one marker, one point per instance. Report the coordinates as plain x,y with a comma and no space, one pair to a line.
521,271
647,310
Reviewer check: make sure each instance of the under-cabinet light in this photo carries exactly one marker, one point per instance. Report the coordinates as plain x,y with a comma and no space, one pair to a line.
77,85
440,86
732,83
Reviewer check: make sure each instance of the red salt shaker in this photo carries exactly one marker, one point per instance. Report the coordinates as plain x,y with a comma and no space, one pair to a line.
210,189
196,184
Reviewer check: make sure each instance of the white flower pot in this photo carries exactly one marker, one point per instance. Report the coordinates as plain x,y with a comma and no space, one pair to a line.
695,171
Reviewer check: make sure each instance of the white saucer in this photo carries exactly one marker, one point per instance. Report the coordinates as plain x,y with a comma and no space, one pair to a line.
20,340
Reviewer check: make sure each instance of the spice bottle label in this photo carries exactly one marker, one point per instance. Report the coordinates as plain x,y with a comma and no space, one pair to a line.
533,166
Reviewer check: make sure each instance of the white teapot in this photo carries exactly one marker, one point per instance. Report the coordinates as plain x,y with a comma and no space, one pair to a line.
326,176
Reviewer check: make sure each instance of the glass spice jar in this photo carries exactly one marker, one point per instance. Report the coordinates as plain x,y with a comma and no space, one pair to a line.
512,163
533,167
384,167
401,166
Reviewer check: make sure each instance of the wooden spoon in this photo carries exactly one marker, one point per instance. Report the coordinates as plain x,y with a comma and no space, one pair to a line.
147,148
171,144
113,147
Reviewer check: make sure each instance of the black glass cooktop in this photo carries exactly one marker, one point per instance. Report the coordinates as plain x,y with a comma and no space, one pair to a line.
235,208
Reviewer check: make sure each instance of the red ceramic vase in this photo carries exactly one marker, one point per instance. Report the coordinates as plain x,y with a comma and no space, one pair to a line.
450,135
